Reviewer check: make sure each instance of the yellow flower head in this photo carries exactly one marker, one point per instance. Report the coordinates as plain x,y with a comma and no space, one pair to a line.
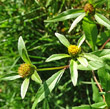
25,70
74,50
88,8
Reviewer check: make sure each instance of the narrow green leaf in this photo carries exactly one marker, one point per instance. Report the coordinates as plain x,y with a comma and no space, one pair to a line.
47,87
92,65
83,61
71,13
90,1
11,77
48,2
100,105
102,20
96,95
35,77
80,107
91,31
46,104
63,39
99,2
22,51
81,40
73,72
24,87
103,54
76,21
92,57
57,57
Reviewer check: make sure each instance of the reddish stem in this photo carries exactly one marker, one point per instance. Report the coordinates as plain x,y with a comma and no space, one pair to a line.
105,44
99,86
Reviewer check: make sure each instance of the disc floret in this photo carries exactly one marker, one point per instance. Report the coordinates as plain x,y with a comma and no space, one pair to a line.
74,50
25,70
88,8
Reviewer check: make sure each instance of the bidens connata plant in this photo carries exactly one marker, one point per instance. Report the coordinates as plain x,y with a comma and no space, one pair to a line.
93,62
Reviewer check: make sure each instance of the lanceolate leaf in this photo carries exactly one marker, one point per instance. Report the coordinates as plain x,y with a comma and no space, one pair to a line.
62,39
47,87
92,57
73,72
83,61
71,13
100,105
102,20
45,104
35,77
99,2
92,65
22,51
24,87
103,54
57,57
91,31
11,77
76,21
81,40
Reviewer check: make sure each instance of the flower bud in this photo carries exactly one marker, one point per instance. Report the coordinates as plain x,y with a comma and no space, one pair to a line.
73,50
88,8
25,69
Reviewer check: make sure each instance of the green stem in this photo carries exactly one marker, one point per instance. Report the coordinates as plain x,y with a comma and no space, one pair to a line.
54,68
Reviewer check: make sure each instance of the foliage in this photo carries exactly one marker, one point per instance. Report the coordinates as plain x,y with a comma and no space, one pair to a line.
32,32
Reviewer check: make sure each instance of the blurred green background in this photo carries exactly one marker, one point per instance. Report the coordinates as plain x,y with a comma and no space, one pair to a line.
26,18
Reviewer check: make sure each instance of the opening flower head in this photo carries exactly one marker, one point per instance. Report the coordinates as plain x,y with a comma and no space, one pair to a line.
74,50
25,70
88,8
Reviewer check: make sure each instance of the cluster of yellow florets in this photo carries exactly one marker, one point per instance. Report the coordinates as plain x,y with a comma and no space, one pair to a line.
73,50
25,70
88,8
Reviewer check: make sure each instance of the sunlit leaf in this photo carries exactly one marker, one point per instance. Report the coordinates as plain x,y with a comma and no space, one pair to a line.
100,105
73,72
47,87
24,87
71,13
76,21
83,61
22,51
62,39
57,57
102,20
92,57
81,40
35,77
11,77
103,54
92,65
